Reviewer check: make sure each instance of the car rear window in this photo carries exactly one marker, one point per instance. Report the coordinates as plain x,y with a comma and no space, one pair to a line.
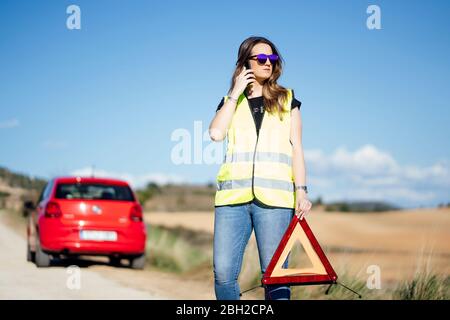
93,191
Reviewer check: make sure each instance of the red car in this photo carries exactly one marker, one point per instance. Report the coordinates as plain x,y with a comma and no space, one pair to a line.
87,216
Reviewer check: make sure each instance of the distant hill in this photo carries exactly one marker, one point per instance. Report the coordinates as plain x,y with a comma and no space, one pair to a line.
361,206
15,188
18,180
183,197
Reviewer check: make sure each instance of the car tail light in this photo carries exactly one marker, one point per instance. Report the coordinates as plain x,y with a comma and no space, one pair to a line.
52,210
136,213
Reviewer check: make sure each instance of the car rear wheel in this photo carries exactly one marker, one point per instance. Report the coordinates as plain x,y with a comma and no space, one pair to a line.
138,262
31,256
42,259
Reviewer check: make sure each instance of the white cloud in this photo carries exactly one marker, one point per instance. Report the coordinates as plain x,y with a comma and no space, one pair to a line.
391,193
136,181
438,173
368,160
12,123
372,174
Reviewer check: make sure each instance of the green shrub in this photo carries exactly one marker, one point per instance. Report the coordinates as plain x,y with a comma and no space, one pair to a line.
175,249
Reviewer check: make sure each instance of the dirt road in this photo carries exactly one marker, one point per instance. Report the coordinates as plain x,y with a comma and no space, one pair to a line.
20,279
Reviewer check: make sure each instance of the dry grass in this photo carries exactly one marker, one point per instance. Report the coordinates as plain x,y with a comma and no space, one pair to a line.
397,242
426,284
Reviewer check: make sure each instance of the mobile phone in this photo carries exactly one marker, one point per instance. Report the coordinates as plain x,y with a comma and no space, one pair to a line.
247,66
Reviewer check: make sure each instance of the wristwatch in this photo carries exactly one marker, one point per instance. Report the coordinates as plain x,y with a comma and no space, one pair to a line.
302,187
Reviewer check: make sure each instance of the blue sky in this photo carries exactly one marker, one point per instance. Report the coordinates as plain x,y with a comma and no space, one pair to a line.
375,103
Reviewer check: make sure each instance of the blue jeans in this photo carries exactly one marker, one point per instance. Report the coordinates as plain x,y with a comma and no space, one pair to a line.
233,226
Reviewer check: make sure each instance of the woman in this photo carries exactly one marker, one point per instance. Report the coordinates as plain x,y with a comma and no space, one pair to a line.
261,183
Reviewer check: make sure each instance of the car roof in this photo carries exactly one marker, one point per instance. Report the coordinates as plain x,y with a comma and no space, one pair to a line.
84,179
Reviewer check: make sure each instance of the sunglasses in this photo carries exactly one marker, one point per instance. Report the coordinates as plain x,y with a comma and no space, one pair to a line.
262,58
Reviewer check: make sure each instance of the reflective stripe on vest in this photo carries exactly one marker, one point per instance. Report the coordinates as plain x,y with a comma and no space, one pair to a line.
259,156
258,182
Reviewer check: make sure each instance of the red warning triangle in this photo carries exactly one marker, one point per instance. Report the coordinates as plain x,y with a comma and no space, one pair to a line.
321,271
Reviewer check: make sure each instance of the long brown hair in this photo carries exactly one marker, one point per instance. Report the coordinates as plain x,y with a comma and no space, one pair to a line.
274,95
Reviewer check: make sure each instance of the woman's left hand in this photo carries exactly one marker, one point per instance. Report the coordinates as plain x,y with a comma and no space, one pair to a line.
302,205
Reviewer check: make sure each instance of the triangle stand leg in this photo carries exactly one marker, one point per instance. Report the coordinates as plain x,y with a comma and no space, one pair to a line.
328,289
343,285
258,286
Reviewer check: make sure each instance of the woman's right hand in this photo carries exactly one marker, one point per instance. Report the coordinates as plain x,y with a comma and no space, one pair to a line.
241,82
221,121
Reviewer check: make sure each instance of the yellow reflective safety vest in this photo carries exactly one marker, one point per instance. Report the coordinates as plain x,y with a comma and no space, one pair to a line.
257,165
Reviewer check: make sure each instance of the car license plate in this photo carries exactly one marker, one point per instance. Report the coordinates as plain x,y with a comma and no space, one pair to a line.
98,235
